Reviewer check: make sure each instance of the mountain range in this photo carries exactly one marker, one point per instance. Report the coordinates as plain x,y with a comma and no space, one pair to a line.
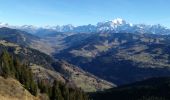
117,26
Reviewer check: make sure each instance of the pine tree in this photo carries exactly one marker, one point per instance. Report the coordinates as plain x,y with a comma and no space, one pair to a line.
44,87
56,93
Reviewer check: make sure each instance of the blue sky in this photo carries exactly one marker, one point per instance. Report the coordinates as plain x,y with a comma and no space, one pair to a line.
79,12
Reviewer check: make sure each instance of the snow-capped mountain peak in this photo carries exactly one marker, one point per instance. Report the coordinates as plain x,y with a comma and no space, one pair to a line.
118,21
113,25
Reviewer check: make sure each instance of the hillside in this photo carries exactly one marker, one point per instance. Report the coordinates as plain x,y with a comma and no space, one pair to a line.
45,67
10,67
10,89
150,89
108,55
82,79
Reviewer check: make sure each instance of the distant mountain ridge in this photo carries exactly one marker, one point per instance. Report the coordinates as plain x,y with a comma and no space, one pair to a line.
117,26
